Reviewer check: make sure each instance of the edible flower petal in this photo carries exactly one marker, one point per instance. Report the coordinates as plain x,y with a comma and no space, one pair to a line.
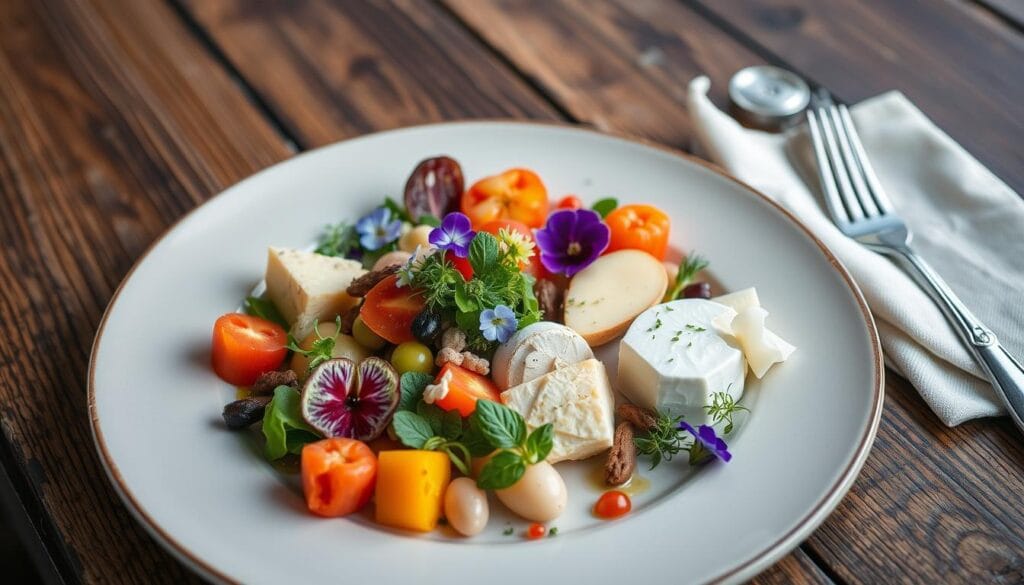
377,229
498,324
705,444
408,270
571,240
455,234
516,247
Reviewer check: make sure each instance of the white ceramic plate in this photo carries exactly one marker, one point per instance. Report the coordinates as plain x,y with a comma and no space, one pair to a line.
210,499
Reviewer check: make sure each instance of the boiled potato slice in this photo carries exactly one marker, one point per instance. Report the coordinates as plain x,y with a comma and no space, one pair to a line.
605,297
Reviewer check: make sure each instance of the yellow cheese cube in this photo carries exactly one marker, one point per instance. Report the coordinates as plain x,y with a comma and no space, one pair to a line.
410,488
307,287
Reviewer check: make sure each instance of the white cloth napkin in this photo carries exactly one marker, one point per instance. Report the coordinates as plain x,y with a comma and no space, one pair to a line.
967,223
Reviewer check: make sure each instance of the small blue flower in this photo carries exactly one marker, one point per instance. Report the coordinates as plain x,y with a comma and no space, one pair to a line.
408,270
377,229
498,324
455,233
705,444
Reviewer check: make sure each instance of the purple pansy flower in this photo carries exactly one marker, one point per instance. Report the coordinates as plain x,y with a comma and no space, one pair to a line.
571,240
376,229
455,233
705,444
498,324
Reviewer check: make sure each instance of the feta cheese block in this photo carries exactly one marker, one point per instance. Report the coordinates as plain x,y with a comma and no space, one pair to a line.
535,350
306,287
577,400
672,358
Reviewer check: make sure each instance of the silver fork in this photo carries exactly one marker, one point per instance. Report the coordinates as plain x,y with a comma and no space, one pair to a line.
862,211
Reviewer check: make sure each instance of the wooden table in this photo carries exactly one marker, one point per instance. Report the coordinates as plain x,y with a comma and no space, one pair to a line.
117,117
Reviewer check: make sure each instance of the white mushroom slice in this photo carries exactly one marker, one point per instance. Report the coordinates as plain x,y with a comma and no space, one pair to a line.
536,350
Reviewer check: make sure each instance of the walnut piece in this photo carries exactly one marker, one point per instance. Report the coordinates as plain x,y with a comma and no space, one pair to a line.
454,338
475,363
265,384
641,418
448,355
549,297
362,285
621,462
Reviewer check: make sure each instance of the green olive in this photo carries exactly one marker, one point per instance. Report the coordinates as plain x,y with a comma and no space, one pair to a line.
366,337
412,356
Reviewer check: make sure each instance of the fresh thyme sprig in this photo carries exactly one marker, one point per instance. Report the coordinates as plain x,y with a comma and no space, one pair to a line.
663,442
688,268
722,408
338,240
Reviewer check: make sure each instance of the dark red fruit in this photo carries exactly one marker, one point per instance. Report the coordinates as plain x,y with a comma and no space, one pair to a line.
434,188
697,290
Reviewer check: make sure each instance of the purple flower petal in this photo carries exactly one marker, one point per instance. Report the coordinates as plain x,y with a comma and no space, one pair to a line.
455,234
571,240
706,436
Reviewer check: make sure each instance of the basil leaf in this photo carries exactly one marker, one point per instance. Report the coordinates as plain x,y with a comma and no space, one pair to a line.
283,427
503,427
397,209
483,252
264,309
412,385
468,321
474,439
605,206
431,220
540,442
451,425
432,415
412,430
463,301
503,470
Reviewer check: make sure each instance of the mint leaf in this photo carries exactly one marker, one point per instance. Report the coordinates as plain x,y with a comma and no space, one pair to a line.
412,385
503,470
283,426
605,206
474,439
451,425
539,443
503,427
432,415
483,252
463,300
412,430
264,309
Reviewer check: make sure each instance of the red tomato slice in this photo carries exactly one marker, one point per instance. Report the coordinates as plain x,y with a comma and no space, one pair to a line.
464,389
515,194
389,310
460,264
244,347
338,476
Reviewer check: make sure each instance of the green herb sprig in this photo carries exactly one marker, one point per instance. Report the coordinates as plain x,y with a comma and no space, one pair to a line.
663,442
688,269
419,425
722,408
322,348
498,427
338,240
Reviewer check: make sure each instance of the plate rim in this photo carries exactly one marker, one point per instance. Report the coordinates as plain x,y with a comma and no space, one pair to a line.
744,570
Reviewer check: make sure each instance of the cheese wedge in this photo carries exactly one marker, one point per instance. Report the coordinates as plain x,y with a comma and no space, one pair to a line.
536,350
306,287
577,400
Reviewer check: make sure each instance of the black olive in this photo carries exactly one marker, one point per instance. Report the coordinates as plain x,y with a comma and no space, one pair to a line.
243,413
697,290
426,327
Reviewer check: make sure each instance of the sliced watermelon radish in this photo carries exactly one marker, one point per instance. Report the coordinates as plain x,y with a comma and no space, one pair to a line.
340,399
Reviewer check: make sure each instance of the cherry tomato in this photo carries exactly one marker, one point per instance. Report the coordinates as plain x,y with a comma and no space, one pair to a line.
536,531
569,202
338,476
389,310
515,194
245,347
533,267
461,264
464,389
639,227
612,505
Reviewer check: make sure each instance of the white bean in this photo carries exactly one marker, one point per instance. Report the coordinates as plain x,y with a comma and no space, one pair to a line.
465,506
539,496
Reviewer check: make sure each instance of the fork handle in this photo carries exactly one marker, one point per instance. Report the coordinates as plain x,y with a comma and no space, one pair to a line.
1005,372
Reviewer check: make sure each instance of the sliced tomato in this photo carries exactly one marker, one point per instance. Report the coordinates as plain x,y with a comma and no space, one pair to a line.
461,264
569,202
338,476
245,346
464,389
639,227
515,194
533,267
389,310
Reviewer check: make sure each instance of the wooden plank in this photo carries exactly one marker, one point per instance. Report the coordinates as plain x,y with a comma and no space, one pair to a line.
113,122
331,70
961,68
620,65
795,568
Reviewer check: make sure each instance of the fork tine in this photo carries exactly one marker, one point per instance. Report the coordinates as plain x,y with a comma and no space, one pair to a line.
835,157
881,199
853,165
825,173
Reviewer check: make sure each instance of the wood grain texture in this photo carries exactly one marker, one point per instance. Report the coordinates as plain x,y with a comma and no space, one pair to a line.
336,70
962,68
113,123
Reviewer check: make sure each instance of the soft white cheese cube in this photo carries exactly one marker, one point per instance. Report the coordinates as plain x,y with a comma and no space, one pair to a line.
577,400
306,287
673,359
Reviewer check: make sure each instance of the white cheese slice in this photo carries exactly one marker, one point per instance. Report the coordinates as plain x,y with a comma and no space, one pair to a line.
577,400
536,350
744,326
306,287
739,300
673,359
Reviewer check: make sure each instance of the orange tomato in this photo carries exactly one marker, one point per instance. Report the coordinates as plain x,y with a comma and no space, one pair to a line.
389,310
612,505
639,227
245,346
464,389
533,267
515,194
338,476
569,202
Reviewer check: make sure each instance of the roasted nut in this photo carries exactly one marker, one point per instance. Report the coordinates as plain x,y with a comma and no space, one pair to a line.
549,296
641,418
454,338
448,355
621,462
475,363
362,285
243,413
267,381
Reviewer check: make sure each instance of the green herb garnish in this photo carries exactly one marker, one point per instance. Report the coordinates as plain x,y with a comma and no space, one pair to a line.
605,206
688,268
322,348
338,240
283,426
694,328
508,531
663,441
264,309
722,408
432,429
504,429
553,532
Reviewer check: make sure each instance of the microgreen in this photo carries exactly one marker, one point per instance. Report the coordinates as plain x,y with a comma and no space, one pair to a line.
504,429
339,239
322,348
722,408
688,268
264,309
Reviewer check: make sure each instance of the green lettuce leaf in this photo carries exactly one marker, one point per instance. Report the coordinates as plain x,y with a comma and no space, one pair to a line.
283,427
